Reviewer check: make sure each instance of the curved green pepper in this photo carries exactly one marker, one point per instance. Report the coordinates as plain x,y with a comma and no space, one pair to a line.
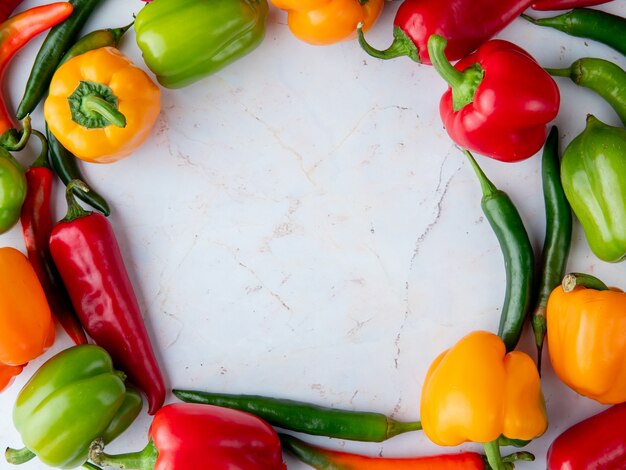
12,190
73,399
593,173
185,40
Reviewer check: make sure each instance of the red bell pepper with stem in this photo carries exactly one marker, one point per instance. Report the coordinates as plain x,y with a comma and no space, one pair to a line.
186,436
17,31
36,219
85,250
544,5
499,100
598,442
466,24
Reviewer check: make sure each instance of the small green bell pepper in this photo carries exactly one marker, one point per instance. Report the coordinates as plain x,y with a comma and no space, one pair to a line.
73,399
185,40
12,190
593,173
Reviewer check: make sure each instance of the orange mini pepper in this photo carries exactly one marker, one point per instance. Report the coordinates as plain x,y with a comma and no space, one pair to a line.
477,392
100,106
26,324
587,343
322,22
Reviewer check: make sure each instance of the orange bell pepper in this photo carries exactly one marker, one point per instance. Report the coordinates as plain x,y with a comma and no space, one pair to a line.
26,324
322,22
100,106
477,392
587,343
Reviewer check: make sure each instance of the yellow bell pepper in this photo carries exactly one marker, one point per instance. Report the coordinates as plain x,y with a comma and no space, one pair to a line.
477,392
100,106
322,22
587,343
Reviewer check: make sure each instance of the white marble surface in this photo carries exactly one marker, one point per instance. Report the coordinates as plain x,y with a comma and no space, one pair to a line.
300,225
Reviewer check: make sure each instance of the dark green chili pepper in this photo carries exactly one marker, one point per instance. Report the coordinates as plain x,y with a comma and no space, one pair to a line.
518,256
558,236
604,77
59,40
95,40
591,24
306,417
66,167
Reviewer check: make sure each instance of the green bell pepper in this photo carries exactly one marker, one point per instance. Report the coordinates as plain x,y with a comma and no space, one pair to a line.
12,190
73,399
593,173
185,40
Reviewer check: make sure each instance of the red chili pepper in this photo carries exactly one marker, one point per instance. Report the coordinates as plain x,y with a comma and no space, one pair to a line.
7,7
598,442
185,436
88,257
36,219
466,24
543,5
499,100
17,31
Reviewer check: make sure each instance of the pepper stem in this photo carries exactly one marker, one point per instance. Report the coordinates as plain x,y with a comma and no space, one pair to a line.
95,104
74,210
119,32
400,427
566,72
402,45
487,187
570,281
18,456
142,460
492,450
463,84
42,160
91,466
14,140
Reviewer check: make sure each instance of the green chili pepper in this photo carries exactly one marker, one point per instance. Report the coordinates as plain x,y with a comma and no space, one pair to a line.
73,399
59,40
601,76
518,256
306,417
109,37
558,237
593,173
12,190
185,40
591,24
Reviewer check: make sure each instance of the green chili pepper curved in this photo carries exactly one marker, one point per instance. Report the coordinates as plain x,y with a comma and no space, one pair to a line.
602,76
12,190
558,237
306,417
518,256
590,24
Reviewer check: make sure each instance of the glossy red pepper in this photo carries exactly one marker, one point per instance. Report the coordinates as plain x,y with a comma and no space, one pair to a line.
186,436
85,250
17,31
36,219
7,7
499,100
466,24
598,442
543,5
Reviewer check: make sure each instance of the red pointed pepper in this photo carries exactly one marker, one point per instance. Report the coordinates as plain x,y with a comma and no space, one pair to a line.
36,219
186,436
85,250
499,100
466,24
565,4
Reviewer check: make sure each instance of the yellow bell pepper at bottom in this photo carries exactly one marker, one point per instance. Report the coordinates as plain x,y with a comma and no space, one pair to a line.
476,392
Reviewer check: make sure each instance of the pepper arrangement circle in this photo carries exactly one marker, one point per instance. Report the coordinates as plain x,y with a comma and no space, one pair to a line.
299,223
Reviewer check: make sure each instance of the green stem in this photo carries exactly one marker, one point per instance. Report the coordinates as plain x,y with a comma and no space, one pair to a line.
42,160
519,457
13,140
487,187
91,466
95,104
74,210
529,18
402,45
18,456
492,450
400,427
567,72
142,460
119,32
570,281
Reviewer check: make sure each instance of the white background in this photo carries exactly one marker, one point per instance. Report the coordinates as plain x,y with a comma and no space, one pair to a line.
300,225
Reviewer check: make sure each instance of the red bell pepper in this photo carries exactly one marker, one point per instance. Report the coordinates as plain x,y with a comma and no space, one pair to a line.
187,436
499,100
17,31
36,219
85,250
598,442
7,7
544,5
466,24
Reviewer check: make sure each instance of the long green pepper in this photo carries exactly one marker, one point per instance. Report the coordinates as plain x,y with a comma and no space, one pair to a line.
518,256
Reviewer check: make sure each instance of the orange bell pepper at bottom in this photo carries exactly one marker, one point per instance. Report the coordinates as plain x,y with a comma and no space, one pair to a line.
587,341
26,324
476,392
